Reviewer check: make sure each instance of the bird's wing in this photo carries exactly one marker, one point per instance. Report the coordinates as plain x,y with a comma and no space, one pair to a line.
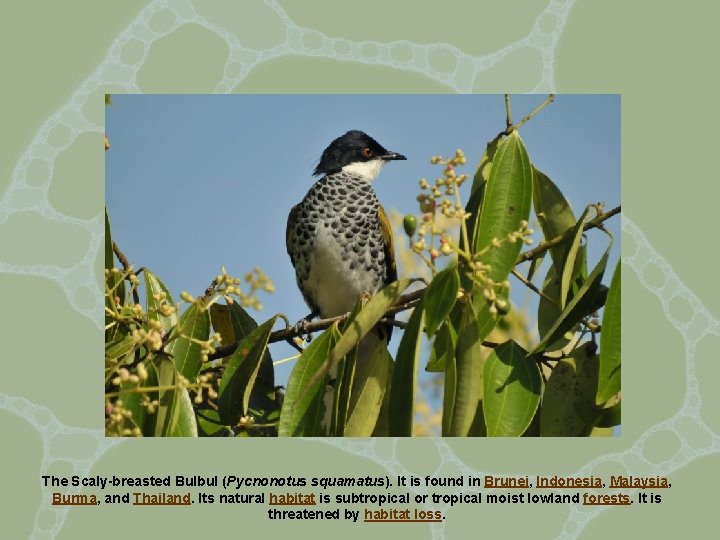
388,247
391,274
290,229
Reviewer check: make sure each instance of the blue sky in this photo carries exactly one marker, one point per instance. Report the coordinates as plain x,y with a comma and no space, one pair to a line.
196,182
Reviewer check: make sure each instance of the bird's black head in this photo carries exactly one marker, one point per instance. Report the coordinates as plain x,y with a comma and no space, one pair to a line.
354,147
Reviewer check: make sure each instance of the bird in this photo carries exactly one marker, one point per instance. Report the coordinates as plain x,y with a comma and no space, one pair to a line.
338,237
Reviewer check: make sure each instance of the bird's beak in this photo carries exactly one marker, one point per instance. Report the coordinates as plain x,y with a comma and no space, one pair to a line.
390,156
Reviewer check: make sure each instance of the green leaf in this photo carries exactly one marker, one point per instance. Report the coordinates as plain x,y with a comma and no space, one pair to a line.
132,401
167,413
303,408
570,269
220,320
404,377
609,379
553,213
373,380
344,373
241,324
110,261
112,280
482,173
440,297
175,415
610,417
123,345
109,255
478,427
469,364
512,386
366,319
234,323
506,203
449,393
382,426
210,425
344,380
584,300
573,381
443,348
477,192
156,288
195,324
533,430
362,324
186,424
240,372
549,312
264,406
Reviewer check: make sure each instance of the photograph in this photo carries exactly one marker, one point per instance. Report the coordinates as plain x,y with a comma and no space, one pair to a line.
400,252
406,265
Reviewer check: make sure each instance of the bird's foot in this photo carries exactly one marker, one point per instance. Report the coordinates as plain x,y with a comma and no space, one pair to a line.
302,327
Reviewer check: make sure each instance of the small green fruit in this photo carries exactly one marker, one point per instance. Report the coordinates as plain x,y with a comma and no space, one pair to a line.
410,224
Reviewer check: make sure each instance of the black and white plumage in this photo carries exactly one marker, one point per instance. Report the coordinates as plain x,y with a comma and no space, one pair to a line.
338,237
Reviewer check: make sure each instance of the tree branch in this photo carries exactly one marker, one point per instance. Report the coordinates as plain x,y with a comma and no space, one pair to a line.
409,300
127,267
595,223
405,302
508,113
530,116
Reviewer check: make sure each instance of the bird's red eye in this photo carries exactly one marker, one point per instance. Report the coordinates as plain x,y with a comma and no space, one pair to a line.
367,152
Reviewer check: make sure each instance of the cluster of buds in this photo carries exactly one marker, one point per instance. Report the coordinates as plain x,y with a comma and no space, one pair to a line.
497,305
438,202
127,313
228,287
151,405
205,382
258,281
117,277
128,274
117,420
163,308
479,272
523,234
124,376
246,421
208,347
151,338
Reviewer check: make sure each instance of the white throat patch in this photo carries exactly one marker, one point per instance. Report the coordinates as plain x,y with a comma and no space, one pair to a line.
367,170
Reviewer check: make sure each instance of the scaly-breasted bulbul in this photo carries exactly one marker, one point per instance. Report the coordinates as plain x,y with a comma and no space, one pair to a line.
339,238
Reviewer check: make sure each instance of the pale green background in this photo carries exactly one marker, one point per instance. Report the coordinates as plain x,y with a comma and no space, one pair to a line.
59,59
